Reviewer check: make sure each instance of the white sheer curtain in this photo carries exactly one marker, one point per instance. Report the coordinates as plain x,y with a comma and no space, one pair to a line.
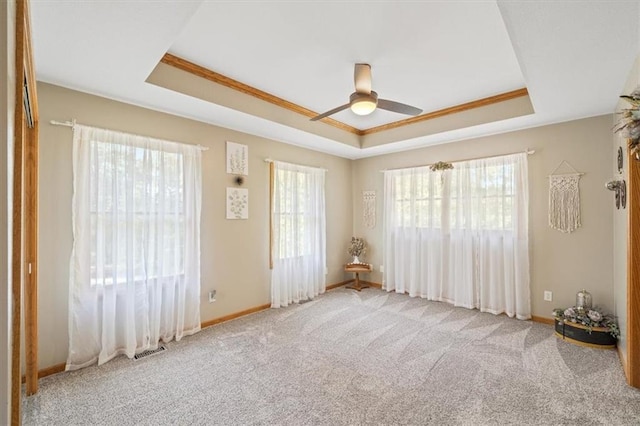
135,264
299,234
460,236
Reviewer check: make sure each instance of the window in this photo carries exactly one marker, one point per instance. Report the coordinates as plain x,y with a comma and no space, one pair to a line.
135,264
475,198
293,213
298,247
137,213
482,196
418,199
460,235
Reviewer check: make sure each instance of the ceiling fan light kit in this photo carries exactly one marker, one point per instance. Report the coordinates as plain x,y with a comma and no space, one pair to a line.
364,100
363,103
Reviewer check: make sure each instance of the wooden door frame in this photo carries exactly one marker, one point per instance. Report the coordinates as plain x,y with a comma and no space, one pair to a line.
24,214
633,273
30,215
16,228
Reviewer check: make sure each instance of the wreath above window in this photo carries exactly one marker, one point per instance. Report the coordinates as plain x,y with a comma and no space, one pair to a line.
440,166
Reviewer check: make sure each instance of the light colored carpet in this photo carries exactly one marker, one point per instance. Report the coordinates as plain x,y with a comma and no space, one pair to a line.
351,358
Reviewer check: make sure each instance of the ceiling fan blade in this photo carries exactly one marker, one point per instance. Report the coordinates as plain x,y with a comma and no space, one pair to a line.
330,112
398,107
362,78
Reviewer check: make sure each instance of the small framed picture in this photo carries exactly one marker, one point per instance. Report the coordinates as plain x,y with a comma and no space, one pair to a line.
237,159
237,203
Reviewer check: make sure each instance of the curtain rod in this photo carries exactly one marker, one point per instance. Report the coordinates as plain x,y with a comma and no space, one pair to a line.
73,123
64,123
269,160
528,152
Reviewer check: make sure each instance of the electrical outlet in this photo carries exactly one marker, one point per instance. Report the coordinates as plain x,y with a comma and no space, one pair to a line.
381,268
212,296
548,296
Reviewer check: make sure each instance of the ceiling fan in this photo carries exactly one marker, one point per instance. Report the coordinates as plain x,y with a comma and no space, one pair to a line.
364,100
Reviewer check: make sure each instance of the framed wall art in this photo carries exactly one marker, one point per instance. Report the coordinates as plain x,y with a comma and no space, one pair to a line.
237,159
237,203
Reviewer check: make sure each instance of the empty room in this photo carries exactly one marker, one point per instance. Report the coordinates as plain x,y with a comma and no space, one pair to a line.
320,212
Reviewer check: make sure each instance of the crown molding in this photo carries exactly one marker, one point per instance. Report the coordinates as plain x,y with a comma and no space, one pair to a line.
223,80
451,110
212,76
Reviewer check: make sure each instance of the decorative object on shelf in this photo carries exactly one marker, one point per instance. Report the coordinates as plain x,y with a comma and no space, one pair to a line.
238,180
629,124
584,300
369,209
586,326
237,203
237,159
357,248
564,199
440,166
619,186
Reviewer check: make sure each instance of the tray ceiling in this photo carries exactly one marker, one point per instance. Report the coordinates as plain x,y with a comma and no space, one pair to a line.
572,57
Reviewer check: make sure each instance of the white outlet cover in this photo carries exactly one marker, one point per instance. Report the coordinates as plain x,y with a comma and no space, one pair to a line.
548,296
381,268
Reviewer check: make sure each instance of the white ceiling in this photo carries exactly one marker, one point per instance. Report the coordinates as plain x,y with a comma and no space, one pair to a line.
430,55
572,56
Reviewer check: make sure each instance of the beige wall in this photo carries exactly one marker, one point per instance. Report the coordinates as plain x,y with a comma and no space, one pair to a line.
620,226
562,263
7,102
234,252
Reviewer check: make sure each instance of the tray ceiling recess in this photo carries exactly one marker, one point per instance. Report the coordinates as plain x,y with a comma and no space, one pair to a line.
183,76
266,67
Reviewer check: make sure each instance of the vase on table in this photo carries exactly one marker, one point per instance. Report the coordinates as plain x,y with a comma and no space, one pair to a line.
584,300
356,249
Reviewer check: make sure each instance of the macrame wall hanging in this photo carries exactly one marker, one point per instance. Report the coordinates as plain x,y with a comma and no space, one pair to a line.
369,209
564,199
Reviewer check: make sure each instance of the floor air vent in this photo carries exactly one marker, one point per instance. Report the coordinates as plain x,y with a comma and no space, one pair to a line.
149,353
